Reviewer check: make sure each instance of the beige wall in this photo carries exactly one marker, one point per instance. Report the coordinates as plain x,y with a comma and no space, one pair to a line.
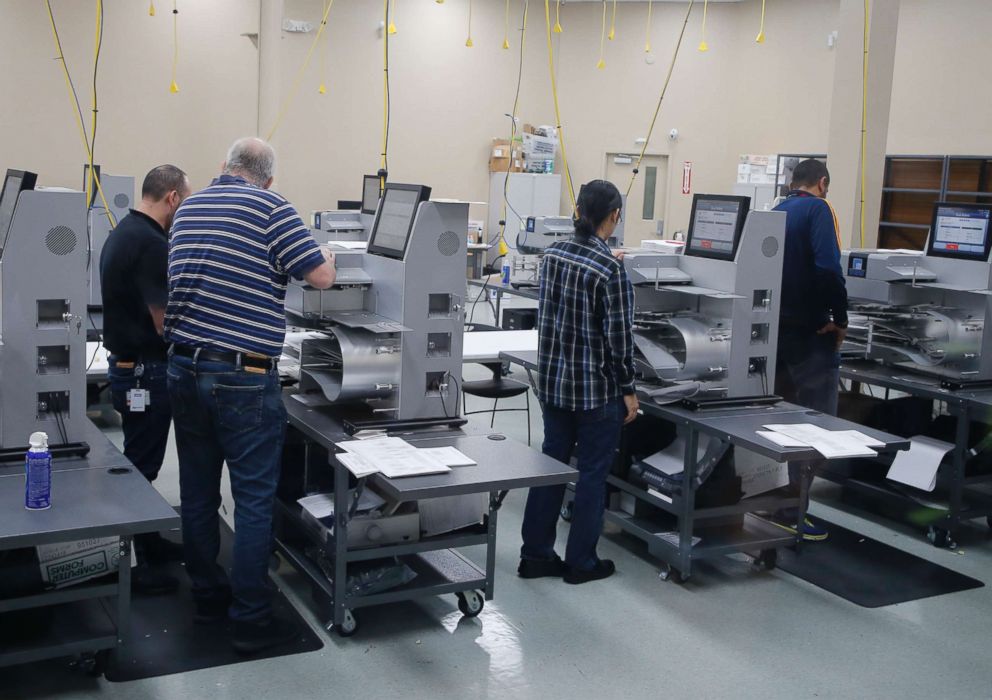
448,100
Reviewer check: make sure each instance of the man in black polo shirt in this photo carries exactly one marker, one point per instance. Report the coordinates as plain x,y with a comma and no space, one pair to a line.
134,278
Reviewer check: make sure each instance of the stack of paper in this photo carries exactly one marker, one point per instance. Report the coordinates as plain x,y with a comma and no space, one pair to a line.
392,457
832,444
321,505
918,467
450,456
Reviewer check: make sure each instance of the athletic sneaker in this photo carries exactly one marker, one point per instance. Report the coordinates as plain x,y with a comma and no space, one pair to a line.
812,532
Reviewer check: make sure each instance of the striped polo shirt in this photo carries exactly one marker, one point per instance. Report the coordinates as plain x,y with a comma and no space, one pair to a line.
232,250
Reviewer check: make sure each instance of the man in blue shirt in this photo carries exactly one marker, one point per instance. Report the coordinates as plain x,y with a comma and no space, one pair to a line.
234,246
813,315
585,385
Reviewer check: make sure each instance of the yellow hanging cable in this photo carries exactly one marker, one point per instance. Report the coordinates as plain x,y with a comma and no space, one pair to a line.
647,41
613,23
503,248
602,40
322,89
661,97
392,22
864,122
383,158
151,9
174,87
506,25
761,30
93,177
703,46
468,42
554,94
557,29
299,74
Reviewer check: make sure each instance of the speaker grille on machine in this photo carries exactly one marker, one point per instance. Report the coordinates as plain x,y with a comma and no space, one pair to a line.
121,200
61,240
769,247
449,243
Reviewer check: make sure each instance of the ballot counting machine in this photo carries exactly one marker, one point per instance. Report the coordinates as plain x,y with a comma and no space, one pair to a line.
43,268
927,312
350,225
118,198
706,321
390,329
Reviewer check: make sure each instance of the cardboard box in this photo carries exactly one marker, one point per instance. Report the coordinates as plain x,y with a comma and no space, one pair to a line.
69,563
441,515
501,149
759,474
540,147
501,165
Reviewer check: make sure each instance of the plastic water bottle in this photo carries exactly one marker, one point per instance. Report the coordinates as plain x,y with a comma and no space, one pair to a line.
38,473
506,271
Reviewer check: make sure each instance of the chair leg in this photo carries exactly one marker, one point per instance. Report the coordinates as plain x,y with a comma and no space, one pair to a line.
527,396
492,422
464,405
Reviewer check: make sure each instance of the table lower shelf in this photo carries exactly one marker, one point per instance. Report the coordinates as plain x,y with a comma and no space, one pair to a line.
75,628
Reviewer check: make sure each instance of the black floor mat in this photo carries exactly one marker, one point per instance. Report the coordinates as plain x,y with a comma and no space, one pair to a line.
870,573
164,639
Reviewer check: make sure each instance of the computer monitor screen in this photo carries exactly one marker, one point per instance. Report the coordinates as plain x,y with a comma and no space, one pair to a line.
370,194
715,225
14,182
960,231
394,219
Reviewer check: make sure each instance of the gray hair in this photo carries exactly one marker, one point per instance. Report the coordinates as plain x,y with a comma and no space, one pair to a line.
251,158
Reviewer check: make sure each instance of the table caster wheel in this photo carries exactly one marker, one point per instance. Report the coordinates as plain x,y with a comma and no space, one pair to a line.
672,574
566,512
348,626
93,665
939,537
767,559
471,603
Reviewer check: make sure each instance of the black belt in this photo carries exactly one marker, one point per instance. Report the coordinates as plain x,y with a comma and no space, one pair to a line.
241,359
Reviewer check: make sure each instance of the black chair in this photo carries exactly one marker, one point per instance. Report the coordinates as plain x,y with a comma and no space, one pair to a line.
496,388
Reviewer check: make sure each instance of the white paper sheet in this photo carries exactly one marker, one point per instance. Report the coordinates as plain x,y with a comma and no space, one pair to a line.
918,466
865,440
449,456
780,439
394,457
830,444
321,505
356,464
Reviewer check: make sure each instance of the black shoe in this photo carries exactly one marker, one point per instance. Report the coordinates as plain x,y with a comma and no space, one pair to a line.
155,549
148,581
604,569
212,610
253,637
540,568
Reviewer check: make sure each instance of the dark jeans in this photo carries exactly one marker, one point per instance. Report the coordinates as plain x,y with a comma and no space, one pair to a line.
146,433
807,373
593,436
223,413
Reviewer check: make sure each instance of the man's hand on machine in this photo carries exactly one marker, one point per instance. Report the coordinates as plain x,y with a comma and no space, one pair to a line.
831,327
630,401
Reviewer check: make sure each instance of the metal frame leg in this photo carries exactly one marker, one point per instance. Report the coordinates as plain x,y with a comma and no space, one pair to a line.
805,479
341,506
688,503
959,463
494,504
492,420
123,601
527,397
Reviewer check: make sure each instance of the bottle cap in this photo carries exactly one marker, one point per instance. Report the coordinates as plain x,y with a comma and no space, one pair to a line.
38,440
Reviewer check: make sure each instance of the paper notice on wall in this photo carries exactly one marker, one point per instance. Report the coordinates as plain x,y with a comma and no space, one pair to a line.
743,173
918,466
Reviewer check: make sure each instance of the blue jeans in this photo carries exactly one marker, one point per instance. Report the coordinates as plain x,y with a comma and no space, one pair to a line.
807,373
146,433
226,414
594,437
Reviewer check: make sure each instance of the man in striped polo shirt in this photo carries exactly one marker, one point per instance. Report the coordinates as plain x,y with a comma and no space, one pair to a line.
234,246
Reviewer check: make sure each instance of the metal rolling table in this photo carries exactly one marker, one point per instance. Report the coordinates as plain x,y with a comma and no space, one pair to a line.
965,502
100,495
503,464
736,426
496,285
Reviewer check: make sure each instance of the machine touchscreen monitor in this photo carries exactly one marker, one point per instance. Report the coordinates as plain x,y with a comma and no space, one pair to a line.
14,182
960,231
394,219
715,225
371,191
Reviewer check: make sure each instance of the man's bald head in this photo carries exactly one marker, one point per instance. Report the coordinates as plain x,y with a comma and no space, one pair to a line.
253,159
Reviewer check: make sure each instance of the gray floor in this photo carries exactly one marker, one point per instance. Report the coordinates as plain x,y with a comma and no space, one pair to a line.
729,632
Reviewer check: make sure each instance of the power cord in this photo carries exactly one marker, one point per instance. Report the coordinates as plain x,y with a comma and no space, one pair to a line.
485,284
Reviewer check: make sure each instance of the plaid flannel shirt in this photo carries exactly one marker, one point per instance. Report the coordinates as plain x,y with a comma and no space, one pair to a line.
585,318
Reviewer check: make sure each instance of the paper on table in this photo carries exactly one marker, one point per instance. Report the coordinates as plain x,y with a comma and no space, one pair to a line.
865,440
918,466
394,457
356,464
780,439
828,443
450,456
321,505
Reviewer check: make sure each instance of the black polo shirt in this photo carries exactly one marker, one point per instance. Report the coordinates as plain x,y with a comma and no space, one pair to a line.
134,268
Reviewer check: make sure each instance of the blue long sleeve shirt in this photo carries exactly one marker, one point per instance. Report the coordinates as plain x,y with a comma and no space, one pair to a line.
813,288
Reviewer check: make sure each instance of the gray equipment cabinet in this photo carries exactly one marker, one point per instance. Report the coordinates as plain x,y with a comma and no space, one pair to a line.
440,565
98,496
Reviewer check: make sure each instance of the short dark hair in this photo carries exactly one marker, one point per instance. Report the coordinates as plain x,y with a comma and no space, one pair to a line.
809,172
162,180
